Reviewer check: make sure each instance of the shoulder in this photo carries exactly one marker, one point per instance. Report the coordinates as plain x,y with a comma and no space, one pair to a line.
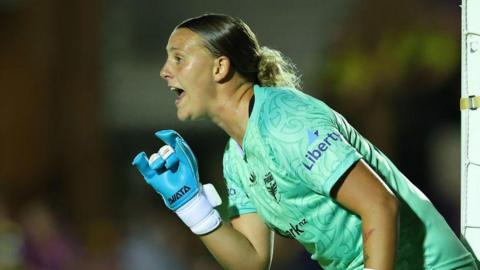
292,123
288,99
285,114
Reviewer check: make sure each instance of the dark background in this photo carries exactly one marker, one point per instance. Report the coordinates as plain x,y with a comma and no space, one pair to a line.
81,95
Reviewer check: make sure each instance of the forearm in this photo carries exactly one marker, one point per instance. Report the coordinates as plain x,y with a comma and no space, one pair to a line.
234,251
172,172
379,230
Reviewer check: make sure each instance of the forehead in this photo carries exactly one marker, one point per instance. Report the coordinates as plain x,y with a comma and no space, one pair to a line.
183,39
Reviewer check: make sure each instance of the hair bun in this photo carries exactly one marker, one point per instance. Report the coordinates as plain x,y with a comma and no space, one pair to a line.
276,70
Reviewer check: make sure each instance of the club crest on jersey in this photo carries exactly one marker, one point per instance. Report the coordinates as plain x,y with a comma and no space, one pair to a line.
271,186
316,153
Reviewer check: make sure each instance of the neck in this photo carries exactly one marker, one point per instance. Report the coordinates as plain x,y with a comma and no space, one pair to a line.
231,112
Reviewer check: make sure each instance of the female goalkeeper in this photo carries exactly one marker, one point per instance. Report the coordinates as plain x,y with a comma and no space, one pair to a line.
293,166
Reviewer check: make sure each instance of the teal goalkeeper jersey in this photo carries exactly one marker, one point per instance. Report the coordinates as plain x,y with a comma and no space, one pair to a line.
294,151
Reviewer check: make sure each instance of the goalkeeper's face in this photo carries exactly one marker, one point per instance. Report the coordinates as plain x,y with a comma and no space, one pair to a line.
188,71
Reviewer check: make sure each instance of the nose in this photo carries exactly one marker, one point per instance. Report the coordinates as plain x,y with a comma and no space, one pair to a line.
165,73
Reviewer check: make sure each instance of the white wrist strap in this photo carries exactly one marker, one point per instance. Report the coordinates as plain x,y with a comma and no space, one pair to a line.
199,214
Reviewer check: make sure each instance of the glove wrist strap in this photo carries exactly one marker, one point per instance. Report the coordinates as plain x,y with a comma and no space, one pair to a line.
199,214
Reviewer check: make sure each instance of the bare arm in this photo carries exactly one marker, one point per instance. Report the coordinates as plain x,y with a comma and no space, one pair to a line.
246,243
363,192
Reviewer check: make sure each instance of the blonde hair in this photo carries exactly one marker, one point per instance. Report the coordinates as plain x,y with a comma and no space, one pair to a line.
276,70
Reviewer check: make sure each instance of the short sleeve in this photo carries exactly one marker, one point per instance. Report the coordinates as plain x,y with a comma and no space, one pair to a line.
306,141
326,158
238,200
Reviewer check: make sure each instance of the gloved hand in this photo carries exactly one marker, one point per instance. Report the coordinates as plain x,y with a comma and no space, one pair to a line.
173,173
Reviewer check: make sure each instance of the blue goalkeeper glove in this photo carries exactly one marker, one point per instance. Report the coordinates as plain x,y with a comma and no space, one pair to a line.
173,173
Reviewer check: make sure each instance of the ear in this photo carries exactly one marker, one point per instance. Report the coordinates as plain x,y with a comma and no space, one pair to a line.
221,68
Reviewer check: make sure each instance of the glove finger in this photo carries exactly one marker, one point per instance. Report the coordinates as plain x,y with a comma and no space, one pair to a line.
164,183
156,161
172,162
186,155
140,161
168,154
182,150
168,136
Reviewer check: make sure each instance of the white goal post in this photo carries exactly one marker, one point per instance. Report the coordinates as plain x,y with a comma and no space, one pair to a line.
470,125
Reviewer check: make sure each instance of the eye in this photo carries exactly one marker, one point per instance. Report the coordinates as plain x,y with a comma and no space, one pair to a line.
177,59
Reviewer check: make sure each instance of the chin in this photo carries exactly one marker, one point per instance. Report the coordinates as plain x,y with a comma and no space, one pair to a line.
189,116
184,117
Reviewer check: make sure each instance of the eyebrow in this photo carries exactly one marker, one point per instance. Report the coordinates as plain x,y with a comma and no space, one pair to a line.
172,49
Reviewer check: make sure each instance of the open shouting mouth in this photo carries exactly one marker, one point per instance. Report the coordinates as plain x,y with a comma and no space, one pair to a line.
180,93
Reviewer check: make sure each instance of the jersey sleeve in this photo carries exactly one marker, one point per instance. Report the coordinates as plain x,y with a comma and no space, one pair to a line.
238,200
306,140
325,160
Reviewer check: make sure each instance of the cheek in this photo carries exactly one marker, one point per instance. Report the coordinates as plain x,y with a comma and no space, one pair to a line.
199,72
